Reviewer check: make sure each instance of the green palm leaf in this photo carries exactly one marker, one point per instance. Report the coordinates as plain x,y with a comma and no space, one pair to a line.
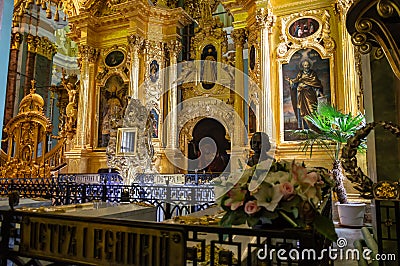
332,127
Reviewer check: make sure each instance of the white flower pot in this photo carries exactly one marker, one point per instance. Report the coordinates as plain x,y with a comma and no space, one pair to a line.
351,214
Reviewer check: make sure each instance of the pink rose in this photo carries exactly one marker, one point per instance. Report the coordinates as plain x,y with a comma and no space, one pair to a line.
251,207
298,172
236,197
311,178
287,189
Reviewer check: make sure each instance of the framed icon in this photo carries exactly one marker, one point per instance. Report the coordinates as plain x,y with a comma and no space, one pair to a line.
114,58
209,67
304,27
154,71
126,142
306,84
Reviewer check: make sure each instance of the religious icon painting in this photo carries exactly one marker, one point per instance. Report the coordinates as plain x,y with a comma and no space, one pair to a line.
208,67
114,58
154,71
112,104
303,27
306,84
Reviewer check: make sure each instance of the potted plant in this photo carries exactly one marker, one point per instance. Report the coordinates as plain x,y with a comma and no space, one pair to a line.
330,126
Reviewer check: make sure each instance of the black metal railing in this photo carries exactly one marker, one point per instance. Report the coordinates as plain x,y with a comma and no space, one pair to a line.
170,199
70,240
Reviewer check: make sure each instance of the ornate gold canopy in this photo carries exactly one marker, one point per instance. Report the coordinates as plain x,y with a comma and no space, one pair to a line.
27,136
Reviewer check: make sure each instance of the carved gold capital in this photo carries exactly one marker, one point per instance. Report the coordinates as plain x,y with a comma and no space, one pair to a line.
265,18
32,43
88,53
342,6
46,48
239,36
135,41
16,40
174,47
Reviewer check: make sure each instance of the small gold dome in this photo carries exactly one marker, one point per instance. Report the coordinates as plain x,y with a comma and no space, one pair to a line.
32,101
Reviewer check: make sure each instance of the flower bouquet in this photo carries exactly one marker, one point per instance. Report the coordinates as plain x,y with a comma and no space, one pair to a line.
286,195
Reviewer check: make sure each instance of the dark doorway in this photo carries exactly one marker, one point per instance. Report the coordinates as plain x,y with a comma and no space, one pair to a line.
213,129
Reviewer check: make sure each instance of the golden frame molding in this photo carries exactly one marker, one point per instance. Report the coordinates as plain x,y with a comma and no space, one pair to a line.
320,41
115,48
104,73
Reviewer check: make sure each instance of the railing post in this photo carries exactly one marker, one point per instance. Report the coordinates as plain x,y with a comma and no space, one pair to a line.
84,193
104,196
68,194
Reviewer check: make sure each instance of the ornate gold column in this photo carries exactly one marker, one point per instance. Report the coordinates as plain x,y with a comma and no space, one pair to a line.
30,61
174,48
352,97
135,43
86,123
239,37
265,19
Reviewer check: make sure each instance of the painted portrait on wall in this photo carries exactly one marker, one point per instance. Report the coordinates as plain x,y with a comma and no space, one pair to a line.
209,67
303,28
306,84
115,58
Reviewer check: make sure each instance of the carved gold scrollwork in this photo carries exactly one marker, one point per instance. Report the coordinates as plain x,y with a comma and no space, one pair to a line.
135,41
239,37
32,43
321,38
364,25
386,8
16,40
174,47
360,40
378,20
379,53
342,6
45,47
386,190
265,18
88,53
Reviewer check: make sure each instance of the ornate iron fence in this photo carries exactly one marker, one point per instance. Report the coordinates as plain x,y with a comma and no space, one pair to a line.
29,237
170,199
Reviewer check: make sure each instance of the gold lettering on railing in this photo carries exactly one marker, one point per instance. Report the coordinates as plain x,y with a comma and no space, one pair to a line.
79,241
